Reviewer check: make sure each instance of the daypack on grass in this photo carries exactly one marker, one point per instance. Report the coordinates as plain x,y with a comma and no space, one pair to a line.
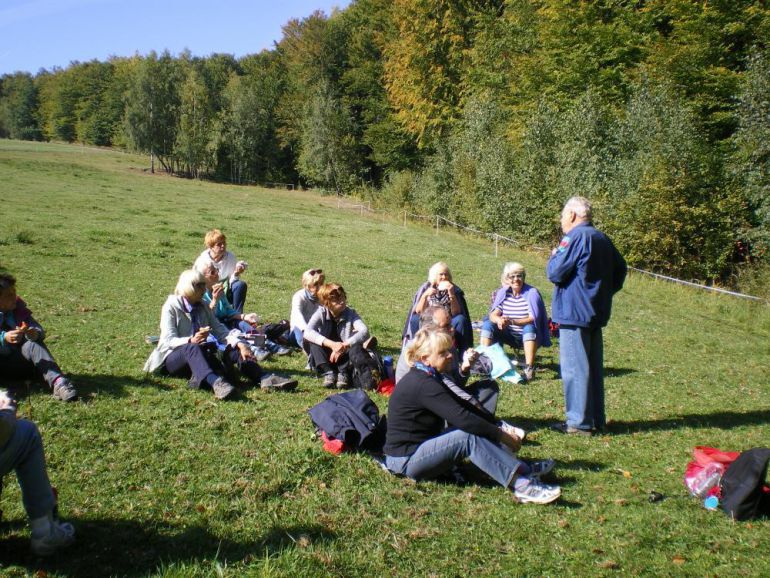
351,418
745,492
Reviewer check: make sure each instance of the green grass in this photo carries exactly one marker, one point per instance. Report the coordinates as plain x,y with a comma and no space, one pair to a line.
160,480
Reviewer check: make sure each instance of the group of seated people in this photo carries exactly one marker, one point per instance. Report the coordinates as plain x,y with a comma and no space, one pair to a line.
435,420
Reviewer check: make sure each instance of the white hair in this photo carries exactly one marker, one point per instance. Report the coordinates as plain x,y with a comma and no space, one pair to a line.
580,206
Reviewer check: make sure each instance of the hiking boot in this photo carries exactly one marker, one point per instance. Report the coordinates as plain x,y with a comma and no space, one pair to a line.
329,379
536,492
193,383
222,389
541,468
151,339
63,390
342,380
562,427
261,353
275,382
529,372
49,535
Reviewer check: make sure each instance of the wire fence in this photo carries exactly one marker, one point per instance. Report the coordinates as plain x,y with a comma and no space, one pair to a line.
436,221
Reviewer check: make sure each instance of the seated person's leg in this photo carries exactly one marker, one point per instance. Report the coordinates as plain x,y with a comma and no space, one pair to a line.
487,392
414,324
237,294
295,337
460,325
249,369
529,337
190,359
15,366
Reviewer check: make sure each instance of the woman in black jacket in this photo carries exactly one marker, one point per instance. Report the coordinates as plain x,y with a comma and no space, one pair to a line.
418,445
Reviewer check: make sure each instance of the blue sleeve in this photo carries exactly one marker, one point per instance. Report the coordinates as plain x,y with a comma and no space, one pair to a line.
562,264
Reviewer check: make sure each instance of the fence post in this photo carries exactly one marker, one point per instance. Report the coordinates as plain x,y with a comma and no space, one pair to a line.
496,241
437,224
404,218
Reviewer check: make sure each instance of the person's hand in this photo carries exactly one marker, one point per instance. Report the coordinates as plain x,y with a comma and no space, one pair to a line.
469,358
252,319
200,336
553,251
217,291
338,350
503,322
240,267
6,401
32,333
246,353
14,336
430,291
510,440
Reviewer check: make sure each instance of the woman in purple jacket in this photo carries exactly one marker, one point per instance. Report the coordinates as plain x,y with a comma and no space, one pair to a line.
517,317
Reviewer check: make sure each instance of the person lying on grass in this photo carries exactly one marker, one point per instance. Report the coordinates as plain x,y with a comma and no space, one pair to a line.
22,351
21,449
439,290
517,317
336,340
184,349
230,268
217,301
418,444
304,303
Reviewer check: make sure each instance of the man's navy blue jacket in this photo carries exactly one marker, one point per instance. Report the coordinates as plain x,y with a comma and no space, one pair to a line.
587,271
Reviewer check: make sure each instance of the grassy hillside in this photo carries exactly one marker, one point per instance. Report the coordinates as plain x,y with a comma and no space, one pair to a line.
162,480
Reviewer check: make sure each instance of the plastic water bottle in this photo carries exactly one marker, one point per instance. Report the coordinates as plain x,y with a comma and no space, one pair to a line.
707,478
387,361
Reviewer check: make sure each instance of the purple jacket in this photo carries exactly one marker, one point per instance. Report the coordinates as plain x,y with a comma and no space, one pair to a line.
536,306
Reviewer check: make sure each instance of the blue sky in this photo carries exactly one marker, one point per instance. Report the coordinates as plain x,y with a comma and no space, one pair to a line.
37,34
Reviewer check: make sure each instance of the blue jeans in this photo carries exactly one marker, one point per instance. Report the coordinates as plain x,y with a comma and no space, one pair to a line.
437,455
490,330
581,355
24,453
237,294
295,337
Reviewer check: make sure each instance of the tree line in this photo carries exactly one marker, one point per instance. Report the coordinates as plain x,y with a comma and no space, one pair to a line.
487,112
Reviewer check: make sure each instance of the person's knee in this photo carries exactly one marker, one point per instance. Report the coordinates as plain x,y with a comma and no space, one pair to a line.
487,328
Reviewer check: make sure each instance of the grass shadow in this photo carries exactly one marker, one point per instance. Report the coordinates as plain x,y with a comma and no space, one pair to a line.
720,419
133,548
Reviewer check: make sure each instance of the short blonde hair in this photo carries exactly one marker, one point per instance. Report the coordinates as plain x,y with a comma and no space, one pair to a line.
213,237
329,290
427,341
313,277
187,280
435,269
512,267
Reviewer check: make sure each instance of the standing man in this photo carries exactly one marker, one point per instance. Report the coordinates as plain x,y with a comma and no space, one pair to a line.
586,270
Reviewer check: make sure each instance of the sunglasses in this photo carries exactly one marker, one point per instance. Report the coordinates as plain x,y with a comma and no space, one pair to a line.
315,271
515,276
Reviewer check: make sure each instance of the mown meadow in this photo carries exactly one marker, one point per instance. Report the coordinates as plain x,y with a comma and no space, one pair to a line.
162,480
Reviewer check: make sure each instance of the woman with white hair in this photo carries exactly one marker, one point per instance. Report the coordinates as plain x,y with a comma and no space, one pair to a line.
304,304
184,348
517,317
440,291
418,444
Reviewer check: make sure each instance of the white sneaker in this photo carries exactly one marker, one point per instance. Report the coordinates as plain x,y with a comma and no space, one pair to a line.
536,492
541,468
55,535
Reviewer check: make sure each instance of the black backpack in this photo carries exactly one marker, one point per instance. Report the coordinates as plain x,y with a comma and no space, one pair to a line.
745,493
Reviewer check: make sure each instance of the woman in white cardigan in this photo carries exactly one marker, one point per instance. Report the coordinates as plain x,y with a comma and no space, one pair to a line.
186,346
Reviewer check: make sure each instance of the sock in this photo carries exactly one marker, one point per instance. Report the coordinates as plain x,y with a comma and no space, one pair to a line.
211,378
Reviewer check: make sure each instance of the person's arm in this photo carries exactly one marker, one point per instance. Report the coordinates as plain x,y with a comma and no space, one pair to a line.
454,302
423,298
562,264
296,318
169,326
442,403
312,331
360,330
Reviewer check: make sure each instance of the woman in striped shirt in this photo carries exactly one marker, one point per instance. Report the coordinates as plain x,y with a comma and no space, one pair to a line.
517,317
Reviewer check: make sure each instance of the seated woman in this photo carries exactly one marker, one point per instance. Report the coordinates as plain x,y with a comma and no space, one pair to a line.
183,348
418,446
217,301
21,449
517,317
303,304
229,267
22,351
335,339
439,290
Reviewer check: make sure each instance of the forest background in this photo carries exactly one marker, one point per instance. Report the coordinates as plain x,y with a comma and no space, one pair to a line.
486,112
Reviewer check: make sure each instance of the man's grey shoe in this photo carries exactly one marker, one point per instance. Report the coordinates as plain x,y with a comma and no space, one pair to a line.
222,389
562,427
541,468
342,380
261,353
329,379
275,382
63,390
